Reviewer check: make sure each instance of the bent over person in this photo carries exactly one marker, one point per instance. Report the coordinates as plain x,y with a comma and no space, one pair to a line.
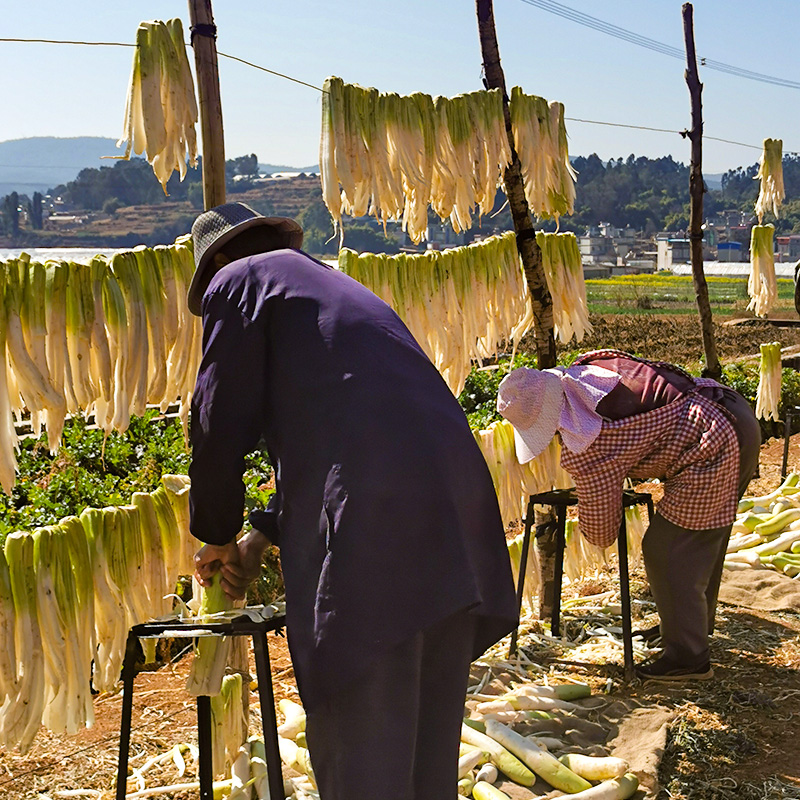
392,547
620,417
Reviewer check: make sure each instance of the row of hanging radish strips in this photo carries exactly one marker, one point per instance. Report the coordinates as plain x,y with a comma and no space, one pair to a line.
761,285
106,338
70,592
393,155
462,303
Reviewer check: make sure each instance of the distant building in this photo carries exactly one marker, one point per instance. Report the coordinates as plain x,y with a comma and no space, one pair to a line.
595,248
787,248
729,251
726,269
673,251
443,236
595,271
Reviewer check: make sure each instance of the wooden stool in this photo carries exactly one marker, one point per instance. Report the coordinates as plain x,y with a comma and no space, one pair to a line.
241,626
560,499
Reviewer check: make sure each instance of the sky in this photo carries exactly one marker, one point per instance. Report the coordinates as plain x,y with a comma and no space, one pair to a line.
421,45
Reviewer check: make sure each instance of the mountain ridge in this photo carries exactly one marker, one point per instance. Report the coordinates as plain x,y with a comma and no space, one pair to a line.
41,163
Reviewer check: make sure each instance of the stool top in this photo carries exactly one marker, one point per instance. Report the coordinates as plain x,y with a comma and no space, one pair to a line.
239,622
569,497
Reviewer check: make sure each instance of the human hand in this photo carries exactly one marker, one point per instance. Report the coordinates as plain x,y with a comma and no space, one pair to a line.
213,558
239,569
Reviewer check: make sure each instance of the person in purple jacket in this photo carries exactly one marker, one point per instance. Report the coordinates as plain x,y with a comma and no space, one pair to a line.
392,547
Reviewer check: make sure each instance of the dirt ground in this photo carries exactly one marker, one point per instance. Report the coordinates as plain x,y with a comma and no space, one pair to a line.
735,736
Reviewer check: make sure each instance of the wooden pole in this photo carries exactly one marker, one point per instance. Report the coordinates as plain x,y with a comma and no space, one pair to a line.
531,255
529,251
203,33
696,190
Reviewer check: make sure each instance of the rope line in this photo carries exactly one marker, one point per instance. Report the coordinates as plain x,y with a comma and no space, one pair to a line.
621,125
67,41
546,5
270,71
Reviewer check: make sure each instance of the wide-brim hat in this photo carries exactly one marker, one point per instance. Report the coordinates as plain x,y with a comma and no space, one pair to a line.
532,401
216,227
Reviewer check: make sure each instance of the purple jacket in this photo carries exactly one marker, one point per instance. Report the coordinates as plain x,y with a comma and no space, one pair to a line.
387,517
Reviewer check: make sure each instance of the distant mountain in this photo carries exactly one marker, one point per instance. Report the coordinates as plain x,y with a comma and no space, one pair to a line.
272,168
714,181
40,163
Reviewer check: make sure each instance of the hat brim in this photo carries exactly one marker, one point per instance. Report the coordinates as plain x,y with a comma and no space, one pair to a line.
531,442
284,225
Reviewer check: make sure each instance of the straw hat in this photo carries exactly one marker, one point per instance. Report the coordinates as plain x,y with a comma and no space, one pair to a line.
532,401
216,227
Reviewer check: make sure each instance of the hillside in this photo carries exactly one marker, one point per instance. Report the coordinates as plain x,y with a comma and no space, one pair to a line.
40,163
152,224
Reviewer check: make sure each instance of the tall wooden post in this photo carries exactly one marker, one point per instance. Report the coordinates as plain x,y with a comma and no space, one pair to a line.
203,32
696,189
531,255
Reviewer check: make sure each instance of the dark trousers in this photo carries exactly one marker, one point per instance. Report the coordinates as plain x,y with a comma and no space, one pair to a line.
395,733
684,567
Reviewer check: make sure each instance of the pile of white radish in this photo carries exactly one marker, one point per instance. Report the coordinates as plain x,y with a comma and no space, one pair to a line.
766,533
70,592
493,750
248,775
460,304
538,732
294,748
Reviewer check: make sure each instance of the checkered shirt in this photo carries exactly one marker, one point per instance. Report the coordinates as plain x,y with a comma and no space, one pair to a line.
690,444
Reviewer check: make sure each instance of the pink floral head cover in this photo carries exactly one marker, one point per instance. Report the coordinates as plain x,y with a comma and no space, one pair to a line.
540,402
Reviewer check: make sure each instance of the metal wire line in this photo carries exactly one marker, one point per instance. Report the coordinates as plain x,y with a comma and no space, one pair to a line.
599,25
546,5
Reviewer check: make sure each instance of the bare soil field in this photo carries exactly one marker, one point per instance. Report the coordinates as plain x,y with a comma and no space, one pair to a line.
677,338
735,736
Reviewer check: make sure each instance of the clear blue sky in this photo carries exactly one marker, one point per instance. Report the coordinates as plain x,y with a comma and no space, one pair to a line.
420,45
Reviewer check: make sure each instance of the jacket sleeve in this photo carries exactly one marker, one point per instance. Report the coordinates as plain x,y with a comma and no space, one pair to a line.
227,418
266,520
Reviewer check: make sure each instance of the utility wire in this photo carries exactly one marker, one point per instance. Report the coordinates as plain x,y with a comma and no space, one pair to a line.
557,8
270,71
599,25
622,125
65,41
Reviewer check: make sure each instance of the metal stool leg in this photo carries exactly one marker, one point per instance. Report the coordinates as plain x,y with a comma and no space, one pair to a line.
625,597
523,563
128,674
558,572
269,722
205,750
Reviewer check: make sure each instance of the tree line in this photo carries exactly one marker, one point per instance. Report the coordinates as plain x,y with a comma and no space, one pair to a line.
647,194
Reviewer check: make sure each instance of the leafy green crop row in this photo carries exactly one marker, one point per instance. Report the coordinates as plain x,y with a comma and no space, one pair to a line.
91,470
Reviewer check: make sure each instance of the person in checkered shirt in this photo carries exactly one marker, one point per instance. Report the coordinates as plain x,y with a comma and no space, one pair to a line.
619,417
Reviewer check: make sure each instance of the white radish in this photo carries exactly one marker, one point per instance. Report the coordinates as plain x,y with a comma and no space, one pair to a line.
595,768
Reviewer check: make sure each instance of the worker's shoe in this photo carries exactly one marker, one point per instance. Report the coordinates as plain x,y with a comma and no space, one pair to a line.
665,669
650,635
